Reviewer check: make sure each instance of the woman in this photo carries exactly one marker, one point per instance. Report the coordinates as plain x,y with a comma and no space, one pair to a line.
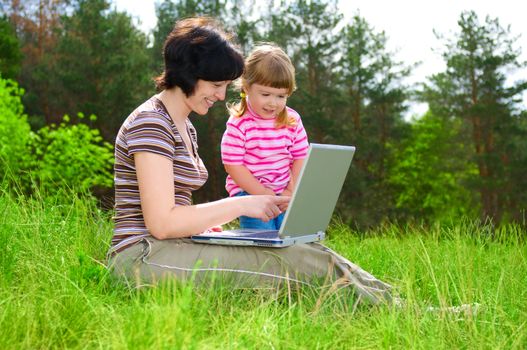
157,167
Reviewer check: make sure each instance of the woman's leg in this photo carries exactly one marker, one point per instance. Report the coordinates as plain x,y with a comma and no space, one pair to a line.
307,264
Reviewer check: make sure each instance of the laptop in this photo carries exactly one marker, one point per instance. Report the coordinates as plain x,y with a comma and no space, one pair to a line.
310,209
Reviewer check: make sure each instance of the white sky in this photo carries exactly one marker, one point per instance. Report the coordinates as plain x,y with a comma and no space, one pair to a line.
409,25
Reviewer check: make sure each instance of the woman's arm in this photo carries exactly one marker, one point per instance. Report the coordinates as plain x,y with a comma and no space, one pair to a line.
247,182
164,219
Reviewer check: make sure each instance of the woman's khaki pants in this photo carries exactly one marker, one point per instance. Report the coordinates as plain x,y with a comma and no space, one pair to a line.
152,260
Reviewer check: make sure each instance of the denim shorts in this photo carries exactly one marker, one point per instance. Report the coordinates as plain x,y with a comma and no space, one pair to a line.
248,222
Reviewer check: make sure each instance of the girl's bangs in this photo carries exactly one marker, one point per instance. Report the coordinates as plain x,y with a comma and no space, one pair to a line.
274,75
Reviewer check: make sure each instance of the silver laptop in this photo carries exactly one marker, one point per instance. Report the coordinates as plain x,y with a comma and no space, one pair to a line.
310,209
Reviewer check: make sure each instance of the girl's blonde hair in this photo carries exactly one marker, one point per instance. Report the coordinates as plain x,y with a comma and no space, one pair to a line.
267,65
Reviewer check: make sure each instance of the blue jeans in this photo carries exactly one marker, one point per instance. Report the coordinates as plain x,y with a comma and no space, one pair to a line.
248,222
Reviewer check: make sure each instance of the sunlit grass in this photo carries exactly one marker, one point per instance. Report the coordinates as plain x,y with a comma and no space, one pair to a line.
55,291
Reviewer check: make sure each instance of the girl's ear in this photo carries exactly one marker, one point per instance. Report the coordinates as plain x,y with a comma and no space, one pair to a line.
244,88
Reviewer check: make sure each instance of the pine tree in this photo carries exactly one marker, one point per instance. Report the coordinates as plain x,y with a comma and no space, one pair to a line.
474,89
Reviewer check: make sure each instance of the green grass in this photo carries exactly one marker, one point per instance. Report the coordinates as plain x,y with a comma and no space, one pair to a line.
56,293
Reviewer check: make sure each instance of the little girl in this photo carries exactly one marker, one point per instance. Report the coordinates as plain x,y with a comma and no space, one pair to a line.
264,144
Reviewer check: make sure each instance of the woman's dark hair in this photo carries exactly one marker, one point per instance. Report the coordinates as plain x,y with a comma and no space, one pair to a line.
197,48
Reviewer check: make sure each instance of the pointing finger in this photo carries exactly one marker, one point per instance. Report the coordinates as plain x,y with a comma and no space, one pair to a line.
282,199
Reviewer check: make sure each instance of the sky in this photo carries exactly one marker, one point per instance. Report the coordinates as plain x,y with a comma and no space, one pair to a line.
408,24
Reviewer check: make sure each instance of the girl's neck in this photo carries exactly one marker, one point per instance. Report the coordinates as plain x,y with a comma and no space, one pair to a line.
175,102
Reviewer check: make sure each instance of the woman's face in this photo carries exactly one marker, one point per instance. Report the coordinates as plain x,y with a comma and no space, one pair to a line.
266,101
206,93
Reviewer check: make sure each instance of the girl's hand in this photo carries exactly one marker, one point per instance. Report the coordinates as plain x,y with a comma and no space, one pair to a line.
285,193
264,207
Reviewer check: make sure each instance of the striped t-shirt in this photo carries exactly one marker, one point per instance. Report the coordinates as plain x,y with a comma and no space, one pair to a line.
267,151
150,129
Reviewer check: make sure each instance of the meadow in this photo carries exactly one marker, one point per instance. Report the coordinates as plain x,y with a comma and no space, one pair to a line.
56,293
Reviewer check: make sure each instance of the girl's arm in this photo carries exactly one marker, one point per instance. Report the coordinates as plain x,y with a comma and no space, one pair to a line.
246,180
296,167
164,219
295,174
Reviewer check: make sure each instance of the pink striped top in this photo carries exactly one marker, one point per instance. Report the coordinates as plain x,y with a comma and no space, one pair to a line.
268,152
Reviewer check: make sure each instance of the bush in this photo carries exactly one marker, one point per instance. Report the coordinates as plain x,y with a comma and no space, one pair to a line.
67,155
71,155
15,131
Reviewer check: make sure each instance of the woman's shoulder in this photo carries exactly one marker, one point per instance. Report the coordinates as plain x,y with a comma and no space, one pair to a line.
153,107
151,112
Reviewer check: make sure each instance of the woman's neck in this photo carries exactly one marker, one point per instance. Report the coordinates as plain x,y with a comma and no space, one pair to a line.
175,102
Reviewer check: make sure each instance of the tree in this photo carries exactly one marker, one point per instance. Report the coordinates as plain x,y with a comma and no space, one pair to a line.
10,54
374,101
36,24
306,30
166,13
430,184
101,66
474,89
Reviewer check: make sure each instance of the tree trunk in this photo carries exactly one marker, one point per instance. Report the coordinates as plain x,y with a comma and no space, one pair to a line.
213,168
355,111
478,138
383,137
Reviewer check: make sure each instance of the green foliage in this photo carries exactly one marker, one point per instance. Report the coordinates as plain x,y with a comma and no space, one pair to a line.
430,182
83,55
14,130
10,54
71,155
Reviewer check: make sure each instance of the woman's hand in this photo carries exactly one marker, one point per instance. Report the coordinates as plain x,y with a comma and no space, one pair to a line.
264,207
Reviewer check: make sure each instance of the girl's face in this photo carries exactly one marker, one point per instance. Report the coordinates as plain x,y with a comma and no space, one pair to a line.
267,101
206,93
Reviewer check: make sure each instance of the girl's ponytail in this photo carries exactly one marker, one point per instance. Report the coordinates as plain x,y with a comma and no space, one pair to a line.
238,109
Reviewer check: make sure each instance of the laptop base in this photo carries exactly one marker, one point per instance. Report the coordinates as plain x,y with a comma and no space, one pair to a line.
224,238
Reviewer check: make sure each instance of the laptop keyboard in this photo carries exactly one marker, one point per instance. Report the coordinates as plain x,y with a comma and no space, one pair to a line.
255,233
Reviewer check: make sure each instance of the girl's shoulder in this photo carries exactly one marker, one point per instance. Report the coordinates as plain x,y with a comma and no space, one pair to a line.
297,120
241,121
293,114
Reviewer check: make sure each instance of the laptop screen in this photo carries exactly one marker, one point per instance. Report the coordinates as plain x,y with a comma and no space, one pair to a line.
318,189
